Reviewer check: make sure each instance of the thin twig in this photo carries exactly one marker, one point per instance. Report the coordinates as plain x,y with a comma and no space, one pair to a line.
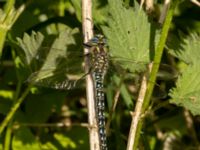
136,129
138,111
196,2
13,109
141,3
87,35
114,104
44,125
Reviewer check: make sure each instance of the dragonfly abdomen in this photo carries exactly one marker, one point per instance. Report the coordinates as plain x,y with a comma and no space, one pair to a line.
100,108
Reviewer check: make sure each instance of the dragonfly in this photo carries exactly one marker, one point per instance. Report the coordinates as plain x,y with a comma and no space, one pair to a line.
60,69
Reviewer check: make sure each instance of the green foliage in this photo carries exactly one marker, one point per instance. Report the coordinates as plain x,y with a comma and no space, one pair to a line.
44,47
129,38
43,105
7,19
187,49
187,91
24,139
128,35
49,63
99,9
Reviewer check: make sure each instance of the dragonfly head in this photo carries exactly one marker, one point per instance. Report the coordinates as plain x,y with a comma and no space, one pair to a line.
97,40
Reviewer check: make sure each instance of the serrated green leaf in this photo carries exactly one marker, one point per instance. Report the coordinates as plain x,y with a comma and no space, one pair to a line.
30,46
9,18
59,48
128,35
187,90
47,57
186,49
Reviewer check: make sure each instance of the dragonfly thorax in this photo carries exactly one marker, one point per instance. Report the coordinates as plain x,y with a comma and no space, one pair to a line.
100,60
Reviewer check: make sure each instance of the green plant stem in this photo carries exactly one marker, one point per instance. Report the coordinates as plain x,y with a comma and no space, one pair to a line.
14,109
10,124
157,59
16,95
8,136
3,32
19,83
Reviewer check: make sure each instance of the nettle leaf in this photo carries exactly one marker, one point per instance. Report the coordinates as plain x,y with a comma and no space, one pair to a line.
46,50
30,45
128,35
187,90
47,56
187,49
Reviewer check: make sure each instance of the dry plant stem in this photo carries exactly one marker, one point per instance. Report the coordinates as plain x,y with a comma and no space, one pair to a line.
196,2
87,26
149,5
56,125
136,127
115,101
13,110
190,127
136,116
141,3
164,11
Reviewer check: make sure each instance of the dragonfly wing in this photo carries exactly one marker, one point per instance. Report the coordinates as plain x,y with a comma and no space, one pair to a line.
57,80
59,69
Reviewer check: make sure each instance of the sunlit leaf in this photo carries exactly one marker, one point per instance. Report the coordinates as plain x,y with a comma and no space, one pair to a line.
186,49
49,56
128,34
65,141
187,90
23,139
